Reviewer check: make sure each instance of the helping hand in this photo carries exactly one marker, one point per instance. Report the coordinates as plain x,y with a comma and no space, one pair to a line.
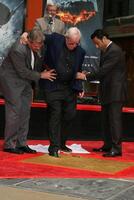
81,94
23,38
82,75
49,74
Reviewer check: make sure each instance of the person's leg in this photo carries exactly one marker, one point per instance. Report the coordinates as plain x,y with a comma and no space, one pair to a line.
54,125
115,121
54,101
26,100
12,122
11,88
69,112
106,134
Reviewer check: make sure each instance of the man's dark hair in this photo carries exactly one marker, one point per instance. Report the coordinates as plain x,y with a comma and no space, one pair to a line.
36,35
99,33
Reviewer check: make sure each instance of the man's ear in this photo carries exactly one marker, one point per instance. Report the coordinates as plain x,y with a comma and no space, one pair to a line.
104,38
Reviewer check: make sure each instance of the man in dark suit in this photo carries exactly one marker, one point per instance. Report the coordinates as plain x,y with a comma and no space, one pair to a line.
113,91
17,74
65,56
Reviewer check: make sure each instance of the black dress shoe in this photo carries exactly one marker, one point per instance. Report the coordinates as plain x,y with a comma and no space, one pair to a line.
54,154
13,150
112,154
26,149
101,149
65,149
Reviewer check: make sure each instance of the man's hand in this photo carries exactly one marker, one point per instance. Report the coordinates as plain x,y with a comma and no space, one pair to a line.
49,74
81,76
81,94
23,38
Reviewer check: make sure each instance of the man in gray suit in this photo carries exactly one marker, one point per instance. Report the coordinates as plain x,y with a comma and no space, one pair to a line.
17,73
50,23
113,91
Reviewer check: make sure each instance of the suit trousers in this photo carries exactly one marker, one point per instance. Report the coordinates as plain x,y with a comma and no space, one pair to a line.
112,125
61,111
18,97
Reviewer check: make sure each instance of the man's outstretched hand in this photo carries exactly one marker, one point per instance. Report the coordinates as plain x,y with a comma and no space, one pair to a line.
81,75
49,74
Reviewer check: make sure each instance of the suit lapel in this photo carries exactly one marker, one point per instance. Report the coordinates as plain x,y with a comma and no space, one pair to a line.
104,53
28,59
45,23
36,62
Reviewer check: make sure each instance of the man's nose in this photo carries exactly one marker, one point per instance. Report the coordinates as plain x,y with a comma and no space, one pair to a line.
37,48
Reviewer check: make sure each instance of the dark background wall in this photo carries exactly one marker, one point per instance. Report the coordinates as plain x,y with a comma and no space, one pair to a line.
119,23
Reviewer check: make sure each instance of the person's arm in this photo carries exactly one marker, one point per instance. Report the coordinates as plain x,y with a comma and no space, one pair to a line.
48,74
18,60
48,38
23,38
82,75
37,25
78,86
110,62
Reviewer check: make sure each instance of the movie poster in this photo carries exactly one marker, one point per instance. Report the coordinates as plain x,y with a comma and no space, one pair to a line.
11,23
87,15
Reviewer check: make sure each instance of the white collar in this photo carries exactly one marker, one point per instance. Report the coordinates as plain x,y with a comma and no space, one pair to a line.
108,44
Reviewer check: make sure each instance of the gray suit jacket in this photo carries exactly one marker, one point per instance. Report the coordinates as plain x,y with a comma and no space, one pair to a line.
43,23
16,71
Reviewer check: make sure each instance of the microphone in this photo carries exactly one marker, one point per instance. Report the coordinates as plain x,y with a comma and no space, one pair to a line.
50,20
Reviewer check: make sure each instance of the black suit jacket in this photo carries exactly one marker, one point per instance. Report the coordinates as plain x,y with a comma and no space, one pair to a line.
112,75
55,44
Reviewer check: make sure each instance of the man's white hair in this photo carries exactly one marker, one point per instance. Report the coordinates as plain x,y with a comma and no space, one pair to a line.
51,5
73,33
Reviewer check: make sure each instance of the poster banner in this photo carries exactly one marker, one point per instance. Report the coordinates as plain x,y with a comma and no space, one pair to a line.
11,24
87,15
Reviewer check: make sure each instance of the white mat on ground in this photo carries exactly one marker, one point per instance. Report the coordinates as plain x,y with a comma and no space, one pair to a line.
76,148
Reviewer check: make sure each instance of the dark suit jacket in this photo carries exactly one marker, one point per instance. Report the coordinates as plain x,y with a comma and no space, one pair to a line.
55,44
112,75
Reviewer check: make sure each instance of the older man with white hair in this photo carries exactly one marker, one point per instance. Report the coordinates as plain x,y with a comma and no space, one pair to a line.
65,55
49,23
